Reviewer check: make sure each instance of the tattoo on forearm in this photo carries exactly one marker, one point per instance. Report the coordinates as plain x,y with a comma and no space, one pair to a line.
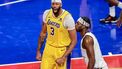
40,41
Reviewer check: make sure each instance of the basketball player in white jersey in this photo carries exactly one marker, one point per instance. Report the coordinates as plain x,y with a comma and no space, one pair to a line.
89,45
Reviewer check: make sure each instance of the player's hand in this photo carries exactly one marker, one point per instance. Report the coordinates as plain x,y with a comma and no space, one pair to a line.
38,56
61,61
119,22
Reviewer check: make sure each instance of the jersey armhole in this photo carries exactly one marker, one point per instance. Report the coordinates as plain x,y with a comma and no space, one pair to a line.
47,16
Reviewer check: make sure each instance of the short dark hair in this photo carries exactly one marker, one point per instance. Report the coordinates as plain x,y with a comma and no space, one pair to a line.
87,20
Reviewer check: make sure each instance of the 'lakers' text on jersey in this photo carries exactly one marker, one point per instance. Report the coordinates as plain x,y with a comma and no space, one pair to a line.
58,35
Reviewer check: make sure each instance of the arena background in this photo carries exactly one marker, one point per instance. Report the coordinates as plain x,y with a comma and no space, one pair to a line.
21,22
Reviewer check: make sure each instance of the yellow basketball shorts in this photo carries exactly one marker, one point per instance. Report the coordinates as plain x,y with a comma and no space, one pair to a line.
49,56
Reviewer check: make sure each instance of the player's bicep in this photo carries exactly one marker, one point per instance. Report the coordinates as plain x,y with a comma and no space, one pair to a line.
73,35
89,46
44,29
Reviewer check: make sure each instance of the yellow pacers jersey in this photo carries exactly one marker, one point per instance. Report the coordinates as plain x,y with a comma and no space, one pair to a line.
58,35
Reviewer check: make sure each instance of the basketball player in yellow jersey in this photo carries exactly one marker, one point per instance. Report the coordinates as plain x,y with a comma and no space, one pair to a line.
59,27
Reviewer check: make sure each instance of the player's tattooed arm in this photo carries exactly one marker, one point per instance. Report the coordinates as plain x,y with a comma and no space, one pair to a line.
88,44
41,41
42,36
73,37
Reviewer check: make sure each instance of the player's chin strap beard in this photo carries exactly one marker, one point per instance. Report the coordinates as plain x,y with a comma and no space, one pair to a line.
80,29
57,13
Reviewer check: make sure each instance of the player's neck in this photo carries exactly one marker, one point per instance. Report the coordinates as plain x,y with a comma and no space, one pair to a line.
83,32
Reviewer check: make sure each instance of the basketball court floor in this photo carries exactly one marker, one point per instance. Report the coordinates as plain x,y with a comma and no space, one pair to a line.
20,25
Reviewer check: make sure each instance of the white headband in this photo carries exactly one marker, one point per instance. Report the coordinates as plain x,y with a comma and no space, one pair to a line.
57,1
83,22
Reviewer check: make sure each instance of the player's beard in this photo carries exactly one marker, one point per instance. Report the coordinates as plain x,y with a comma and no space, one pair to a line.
57,11
78,30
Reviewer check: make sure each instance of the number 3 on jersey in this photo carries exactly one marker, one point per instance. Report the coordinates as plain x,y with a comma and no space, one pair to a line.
52,31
